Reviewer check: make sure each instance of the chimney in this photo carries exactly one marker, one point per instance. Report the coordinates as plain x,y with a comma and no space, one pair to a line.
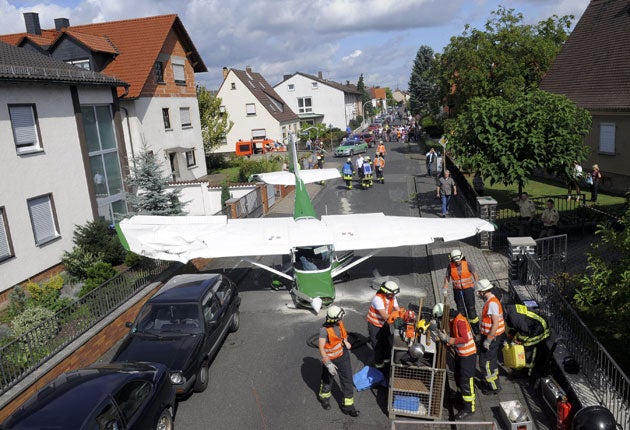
319,75
285,77
31,19
61,23
225,72
348,83
248,69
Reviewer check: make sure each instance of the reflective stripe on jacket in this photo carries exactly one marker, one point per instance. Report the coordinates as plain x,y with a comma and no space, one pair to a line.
374,317
532,340
486,320
466,280
334,343
464,349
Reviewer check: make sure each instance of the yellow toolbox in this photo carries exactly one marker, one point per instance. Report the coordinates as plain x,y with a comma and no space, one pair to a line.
513,355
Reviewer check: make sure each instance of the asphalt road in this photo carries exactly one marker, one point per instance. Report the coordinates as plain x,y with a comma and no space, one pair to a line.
266,376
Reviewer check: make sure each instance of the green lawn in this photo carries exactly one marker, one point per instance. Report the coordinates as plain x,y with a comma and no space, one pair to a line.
541,188
230,173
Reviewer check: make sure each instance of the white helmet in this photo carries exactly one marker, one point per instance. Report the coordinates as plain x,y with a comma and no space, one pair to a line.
456,255
334,314
438,310
483,285
390,287
349,159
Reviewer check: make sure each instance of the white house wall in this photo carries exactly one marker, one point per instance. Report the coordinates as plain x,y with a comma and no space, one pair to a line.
147,127
57,170
201,200
326,99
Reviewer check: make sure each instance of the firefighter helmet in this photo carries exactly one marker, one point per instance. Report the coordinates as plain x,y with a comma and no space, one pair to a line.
390,287
334,314
456,255
438,310
483,285
416,351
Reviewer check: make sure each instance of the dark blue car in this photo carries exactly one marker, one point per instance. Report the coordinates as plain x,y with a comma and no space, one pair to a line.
124,396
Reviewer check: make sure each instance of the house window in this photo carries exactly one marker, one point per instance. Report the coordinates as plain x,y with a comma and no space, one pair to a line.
222,112
314,85
179,70
250,109
43,220
259,133
159,72
607,138
166,117
25,128
6,248
83,63
190,158
305,105
233,86
291,87
184,116
106,173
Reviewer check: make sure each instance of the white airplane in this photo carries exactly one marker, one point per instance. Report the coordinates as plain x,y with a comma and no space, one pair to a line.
320,248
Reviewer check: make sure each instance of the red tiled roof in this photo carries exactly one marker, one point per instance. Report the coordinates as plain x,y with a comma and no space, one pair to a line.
138,42
592,66
378,93
266,95
95,43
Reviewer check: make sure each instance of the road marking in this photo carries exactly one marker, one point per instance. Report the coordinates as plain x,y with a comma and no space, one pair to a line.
346,207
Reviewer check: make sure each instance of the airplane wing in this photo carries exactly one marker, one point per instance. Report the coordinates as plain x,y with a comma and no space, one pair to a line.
376,230
307,176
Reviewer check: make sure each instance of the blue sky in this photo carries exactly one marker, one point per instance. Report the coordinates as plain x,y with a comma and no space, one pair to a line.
340,38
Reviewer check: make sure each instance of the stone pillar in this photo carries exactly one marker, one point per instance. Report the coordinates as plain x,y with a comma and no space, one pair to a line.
262,190
486,209
517,248
232,209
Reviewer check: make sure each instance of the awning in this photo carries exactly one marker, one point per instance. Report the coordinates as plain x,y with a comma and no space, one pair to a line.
306,116
178,149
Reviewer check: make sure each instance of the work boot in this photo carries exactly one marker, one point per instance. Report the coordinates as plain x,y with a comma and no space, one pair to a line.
325,403
487,391
462,415
350,410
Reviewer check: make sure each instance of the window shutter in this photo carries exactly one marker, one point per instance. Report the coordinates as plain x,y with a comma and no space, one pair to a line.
607,138
5,250
42,219
184,114
23,122
178,71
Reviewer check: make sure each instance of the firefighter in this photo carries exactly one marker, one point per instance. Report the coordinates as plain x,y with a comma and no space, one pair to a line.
463,341
366,181
347,170
492,336
380,149
463,275
333,349
381,336
379,165
527,328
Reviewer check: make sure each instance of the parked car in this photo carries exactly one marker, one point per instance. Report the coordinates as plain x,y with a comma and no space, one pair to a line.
183,326
367,137
350,147
122,396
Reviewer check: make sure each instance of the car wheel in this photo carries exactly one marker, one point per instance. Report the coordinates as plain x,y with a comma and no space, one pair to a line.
351,152
236,322
203,375
165,422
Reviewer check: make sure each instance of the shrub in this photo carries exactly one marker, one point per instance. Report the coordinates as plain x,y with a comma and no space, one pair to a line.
17,301
78,261
252,167
131,259
33,317
98,273
6,334
97,238
49,288
225,193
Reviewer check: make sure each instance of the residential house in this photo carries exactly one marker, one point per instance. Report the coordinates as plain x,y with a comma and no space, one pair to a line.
156,56
320,101
61,153
378,97
258,112
592,69
401,97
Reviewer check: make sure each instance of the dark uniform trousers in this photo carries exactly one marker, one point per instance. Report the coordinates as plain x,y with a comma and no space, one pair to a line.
381,339
489,362
465,302
344,370
464,376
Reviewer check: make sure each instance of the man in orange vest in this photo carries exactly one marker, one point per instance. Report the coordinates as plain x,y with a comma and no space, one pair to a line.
463,341
380,149
492,336
381,336
333,348
463,275
379,166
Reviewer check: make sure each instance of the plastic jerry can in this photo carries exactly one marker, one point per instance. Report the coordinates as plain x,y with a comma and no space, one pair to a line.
513,355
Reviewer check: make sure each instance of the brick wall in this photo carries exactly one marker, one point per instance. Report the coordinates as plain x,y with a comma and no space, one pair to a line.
85,355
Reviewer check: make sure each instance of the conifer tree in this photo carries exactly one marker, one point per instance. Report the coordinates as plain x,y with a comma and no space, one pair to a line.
421,84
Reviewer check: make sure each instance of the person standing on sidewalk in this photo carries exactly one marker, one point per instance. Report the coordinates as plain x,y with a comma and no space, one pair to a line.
446,189
463,275
431,157
463,342
492,336
333,348
381,337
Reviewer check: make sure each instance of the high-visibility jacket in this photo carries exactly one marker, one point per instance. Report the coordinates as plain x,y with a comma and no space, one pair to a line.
469,347
463,281
486,320
334,343
380,149
367,169
531,328
374,317
379,162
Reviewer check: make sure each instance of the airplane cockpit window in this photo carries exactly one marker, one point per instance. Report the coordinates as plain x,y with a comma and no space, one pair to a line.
313,258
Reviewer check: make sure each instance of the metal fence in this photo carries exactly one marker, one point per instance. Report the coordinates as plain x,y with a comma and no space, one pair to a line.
442,425
250,205
22,355
609,384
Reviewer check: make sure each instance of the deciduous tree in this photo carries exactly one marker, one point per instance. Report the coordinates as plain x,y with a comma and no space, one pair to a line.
215,124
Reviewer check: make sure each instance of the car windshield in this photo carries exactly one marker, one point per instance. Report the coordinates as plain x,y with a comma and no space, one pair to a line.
166,319
348,143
